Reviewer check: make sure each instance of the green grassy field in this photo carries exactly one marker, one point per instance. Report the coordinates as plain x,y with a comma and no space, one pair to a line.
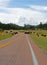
4,35
8,33
41,41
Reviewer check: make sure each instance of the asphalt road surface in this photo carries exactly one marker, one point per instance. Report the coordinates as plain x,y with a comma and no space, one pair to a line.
21,50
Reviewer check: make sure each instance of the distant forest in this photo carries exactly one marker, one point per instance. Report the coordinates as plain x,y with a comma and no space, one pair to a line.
25,27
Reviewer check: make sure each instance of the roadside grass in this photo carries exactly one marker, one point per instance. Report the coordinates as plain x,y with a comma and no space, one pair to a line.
4,35
40,41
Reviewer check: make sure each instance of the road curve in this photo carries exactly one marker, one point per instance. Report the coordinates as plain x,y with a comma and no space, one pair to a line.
17,51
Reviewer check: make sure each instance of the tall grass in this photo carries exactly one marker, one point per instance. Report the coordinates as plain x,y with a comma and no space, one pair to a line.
41,41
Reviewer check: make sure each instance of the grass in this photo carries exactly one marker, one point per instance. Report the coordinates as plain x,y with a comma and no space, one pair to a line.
4,35
40,41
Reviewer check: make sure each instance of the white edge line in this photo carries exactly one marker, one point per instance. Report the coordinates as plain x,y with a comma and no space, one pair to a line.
35,61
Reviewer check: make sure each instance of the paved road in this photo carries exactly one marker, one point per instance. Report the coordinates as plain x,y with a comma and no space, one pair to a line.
21,50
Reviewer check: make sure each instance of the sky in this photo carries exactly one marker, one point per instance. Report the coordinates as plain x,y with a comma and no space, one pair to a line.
23,12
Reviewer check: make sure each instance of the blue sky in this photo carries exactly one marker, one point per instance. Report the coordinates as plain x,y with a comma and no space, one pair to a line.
23,11
20,3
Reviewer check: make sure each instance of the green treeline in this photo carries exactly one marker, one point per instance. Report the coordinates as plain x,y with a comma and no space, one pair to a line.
25,27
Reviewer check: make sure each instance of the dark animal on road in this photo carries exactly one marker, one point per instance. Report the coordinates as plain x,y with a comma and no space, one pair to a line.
15,32
27,32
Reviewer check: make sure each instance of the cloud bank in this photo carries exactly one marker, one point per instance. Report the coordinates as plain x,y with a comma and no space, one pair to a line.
4,3
32,15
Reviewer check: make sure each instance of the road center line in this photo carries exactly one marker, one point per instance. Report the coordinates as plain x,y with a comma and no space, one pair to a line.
35,61
9,42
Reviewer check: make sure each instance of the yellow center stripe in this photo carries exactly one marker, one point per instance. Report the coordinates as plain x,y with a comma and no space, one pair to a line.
10,42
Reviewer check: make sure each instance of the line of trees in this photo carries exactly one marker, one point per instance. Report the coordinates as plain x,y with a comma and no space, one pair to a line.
9,26
42,26
25,27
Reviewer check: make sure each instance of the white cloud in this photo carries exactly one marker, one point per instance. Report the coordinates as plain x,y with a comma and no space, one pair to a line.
21,16
40,8
8,18
4,3
32,15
